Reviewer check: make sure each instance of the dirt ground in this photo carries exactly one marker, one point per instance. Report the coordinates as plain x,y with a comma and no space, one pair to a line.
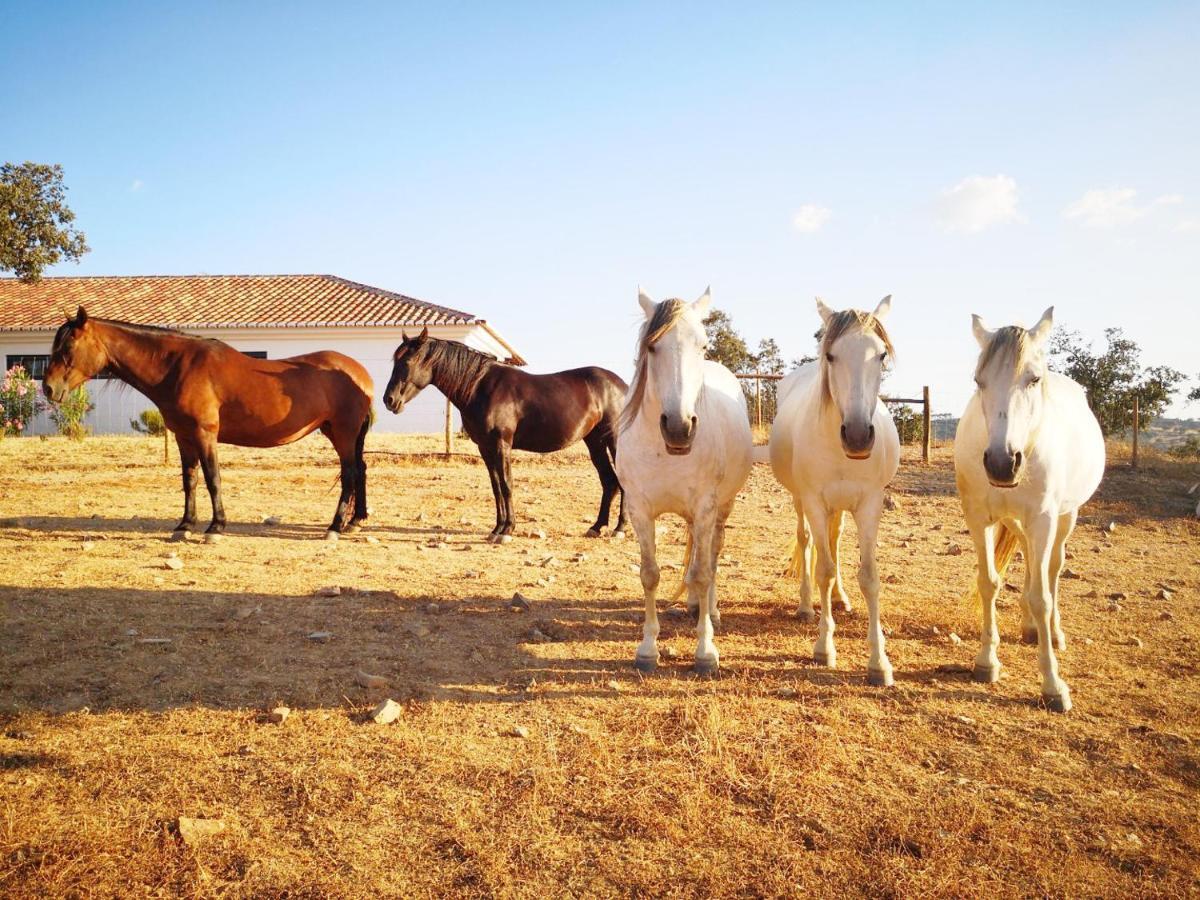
530,759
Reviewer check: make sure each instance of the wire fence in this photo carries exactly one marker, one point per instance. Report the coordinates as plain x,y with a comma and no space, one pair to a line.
762,397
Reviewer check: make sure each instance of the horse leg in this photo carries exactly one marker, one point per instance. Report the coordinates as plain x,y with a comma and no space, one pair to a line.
190,460
987,663
646,659
1066,524
700,577
824,653
360,476
835,541
348,475
866,517
212,480
802,561
1042,532
491,459
1029,633
506,485
622,519
608,481
718,544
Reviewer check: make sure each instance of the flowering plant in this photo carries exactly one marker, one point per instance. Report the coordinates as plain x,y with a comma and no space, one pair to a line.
19,401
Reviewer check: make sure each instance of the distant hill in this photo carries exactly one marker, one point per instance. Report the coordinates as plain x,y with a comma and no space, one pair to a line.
1163,434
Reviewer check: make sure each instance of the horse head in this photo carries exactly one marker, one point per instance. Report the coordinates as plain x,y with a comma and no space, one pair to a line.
412,370
854,350
1012,363
76,356
671,365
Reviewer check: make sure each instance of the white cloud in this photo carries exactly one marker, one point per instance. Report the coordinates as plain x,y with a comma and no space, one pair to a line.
1112,207
1188,225
979,202
811,218
137,185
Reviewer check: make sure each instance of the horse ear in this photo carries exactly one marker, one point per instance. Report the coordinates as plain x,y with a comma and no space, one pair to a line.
702,305
1039,332
648,305
403,336
982,334
884,307
825,312
81,317
424,335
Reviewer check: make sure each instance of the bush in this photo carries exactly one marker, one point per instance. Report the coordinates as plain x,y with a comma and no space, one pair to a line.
1188,449
19,401
68,415
149,421
909,424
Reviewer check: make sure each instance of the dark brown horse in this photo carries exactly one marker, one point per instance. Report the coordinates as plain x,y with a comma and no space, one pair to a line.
504,409
209,393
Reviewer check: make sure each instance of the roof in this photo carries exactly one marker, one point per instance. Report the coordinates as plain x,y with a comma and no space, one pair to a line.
223,301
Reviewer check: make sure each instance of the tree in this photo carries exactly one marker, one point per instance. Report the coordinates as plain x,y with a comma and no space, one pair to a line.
1113,377
725,345
1194,395
35,221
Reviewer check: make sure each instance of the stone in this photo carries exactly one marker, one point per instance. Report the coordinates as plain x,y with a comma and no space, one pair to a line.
387,712
891,578
1117,596
1109,527
173,562
536,534
954,550
196,831
432,608
1166,615
87,546
213,538
890,502
519,603
1164,594
370,682
518,731
279,715
154,641
331,591
614,685
1069,573
954,639
321,637
272,520
371,539
332,537
178,537
537,636
963,720
1136,642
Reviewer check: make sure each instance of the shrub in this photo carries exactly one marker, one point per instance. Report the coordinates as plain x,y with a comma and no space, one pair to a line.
149,421
19,401
68,415
1188,449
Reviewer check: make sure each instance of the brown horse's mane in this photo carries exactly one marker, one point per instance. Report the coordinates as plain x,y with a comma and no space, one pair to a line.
665,317
838,325
458,366
150,330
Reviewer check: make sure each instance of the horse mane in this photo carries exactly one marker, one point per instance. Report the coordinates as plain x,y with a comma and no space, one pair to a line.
1010,342
666,316
459,367
838,325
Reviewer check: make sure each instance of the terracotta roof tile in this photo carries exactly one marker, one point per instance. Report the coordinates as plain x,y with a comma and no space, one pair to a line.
217,301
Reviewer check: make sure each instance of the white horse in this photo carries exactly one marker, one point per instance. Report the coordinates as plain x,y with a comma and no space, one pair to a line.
1028,453
683,446
834,446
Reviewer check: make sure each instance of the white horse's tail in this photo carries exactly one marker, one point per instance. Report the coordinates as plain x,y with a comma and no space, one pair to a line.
795,564
687,561
1006,549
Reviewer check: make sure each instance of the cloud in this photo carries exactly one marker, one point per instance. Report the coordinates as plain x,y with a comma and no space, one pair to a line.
1113,207
810,218
137,185
979,202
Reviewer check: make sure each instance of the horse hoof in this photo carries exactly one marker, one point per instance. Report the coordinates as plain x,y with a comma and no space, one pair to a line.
828,660
880,678
807,616
331,536
986,674
351,528
1060,642
178,537
1029,636
592,533
645,664
706,666
504,539
1060,703
618,535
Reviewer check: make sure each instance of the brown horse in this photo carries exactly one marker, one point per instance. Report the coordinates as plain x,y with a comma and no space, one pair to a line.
504,409
209,393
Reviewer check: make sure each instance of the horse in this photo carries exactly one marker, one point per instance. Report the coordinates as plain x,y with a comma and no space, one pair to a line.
210,393
684,447
1027,454
504,409
834,446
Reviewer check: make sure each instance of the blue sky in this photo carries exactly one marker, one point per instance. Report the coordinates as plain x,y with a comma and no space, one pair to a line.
533,163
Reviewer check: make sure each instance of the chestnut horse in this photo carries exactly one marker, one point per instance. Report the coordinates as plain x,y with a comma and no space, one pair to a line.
209,392
504,409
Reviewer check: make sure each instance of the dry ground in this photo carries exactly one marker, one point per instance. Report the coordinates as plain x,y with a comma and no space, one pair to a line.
779,777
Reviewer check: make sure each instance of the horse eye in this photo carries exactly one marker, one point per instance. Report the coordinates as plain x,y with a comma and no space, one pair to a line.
650,349
829,357
1035,380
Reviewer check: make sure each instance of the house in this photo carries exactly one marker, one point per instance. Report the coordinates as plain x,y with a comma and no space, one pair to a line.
271,316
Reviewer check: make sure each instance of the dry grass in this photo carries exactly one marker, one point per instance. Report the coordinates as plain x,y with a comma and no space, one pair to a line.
779,777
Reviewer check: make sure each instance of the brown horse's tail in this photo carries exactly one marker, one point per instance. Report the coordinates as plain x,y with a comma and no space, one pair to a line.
1006,548
688,552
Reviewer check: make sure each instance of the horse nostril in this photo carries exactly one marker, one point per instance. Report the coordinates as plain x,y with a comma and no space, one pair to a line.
871,433
843,432
1017,457
694,421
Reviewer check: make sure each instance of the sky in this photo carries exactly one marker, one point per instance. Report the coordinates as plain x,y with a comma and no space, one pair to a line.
533,163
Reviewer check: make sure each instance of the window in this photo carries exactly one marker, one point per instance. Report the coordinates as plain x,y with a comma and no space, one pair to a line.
34,364
256,354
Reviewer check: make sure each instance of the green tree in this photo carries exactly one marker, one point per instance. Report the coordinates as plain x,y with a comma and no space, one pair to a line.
1113,377
35,221
725,345
1194,395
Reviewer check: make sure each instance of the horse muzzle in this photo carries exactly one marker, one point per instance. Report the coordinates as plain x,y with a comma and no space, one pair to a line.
677,434
54,393
1004,470
858,439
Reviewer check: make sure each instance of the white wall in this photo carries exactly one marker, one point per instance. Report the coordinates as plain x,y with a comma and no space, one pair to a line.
116,403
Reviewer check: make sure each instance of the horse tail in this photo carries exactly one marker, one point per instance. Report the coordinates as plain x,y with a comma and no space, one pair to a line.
688,552
1006,548
795,564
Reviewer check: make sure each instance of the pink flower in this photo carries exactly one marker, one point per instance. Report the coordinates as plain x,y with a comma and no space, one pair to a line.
20,425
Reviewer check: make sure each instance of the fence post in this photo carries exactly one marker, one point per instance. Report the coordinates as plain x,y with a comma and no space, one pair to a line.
166,432
449,428
1136,428
927,421
758,397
